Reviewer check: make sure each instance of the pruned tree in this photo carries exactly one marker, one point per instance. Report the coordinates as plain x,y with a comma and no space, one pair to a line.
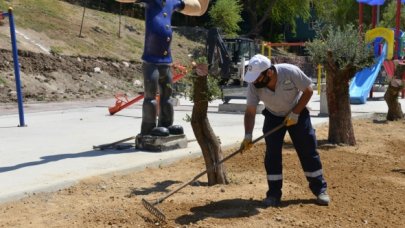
395,85
203,91
342,53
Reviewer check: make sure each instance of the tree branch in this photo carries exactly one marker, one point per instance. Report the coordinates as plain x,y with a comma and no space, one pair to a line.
266,15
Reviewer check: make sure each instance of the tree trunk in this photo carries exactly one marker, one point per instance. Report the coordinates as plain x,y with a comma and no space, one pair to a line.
391,97
256,25
337,91
252,14
203,132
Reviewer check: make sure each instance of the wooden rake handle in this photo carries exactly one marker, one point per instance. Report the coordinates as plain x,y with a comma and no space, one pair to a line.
157,201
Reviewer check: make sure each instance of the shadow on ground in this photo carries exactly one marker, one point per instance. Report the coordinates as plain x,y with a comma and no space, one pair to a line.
231,208
159,187
58,157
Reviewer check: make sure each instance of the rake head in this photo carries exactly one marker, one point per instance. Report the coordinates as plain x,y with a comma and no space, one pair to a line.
154,211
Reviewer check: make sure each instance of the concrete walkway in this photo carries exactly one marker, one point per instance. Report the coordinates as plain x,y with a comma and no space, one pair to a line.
55,150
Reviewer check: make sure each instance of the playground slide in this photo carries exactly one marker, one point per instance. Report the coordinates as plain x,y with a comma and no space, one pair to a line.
389,67
363,81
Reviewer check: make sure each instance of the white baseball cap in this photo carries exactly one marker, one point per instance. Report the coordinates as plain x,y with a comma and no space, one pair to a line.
257,64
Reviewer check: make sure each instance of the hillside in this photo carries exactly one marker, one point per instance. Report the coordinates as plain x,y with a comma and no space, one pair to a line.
49,26
55,25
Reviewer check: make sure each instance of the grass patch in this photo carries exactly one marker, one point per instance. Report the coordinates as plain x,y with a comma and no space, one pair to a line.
56,50
4,5
39,15
61,22
2,81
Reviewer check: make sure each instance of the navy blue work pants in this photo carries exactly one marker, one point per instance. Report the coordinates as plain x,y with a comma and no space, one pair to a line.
303,137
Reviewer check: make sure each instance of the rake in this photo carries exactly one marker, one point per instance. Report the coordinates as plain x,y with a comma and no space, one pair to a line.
150,206
110,145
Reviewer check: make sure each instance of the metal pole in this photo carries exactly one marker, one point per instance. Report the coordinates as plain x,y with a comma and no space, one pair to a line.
374,16
81,25
397,38
397,24
360,18
16,68
319,78
119,24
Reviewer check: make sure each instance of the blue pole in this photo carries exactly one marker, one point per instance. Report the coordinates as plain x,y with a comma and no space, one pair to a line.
16,68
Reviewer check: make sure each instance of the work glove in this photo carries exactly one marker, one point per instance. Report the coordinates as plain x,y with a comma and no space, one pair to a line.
246,143
291,119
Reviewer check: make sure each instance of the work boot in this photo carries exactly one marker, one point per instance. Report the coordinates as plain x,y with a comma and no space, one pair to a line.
271,202
176,130
323,199
160,131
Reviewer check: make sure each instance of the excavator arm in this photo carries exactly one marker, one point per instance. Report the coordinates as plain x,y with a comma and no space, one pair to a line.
218,55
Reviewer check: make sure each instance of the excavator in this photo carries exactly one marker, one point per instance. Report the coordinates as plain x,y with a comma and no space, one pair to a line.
227,59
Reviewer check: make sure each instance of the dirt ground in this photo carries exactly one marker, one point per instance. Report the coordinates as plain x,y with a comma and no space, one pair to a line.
47,77
366,185
58,78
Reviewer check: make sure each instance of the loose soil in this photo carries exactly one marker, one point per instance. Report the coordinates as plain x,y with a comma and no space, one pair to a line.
366,184
57,78
46,77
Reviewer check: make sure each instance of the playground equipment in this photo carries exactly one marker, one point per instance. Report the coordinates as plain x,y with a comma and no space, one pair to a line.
122,100
362,84
363,81
375,7
10,16
266,46
320,80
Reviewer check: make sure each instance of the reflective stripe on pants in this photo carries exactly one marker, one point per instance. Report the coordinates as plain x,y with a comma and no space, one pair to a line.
303,137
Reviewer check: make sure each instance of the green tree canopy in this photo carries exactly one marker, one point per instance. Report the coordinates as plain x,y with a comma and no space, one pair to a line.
226,14
342,52
389,15
278,11
345,43
339,12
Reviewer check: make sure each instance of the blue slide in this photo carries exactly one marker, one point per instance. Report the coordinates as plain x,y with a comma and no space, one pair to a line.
363,81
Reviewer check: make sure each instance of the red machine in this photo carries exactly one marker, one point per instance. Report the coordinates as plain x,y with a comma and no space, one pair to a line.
122,100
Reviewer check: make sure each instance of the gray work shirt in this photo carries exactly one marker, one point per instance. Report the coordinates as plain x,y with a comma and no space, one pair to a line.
291,81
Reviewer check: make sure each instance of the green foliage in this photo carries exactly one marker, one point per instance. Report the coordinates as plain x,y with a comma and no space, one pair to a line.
59,23
2,81
337,12
389,15
287,11
268,15
26,16
187,118
344,43
56,50
3,5
226,14
213,90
